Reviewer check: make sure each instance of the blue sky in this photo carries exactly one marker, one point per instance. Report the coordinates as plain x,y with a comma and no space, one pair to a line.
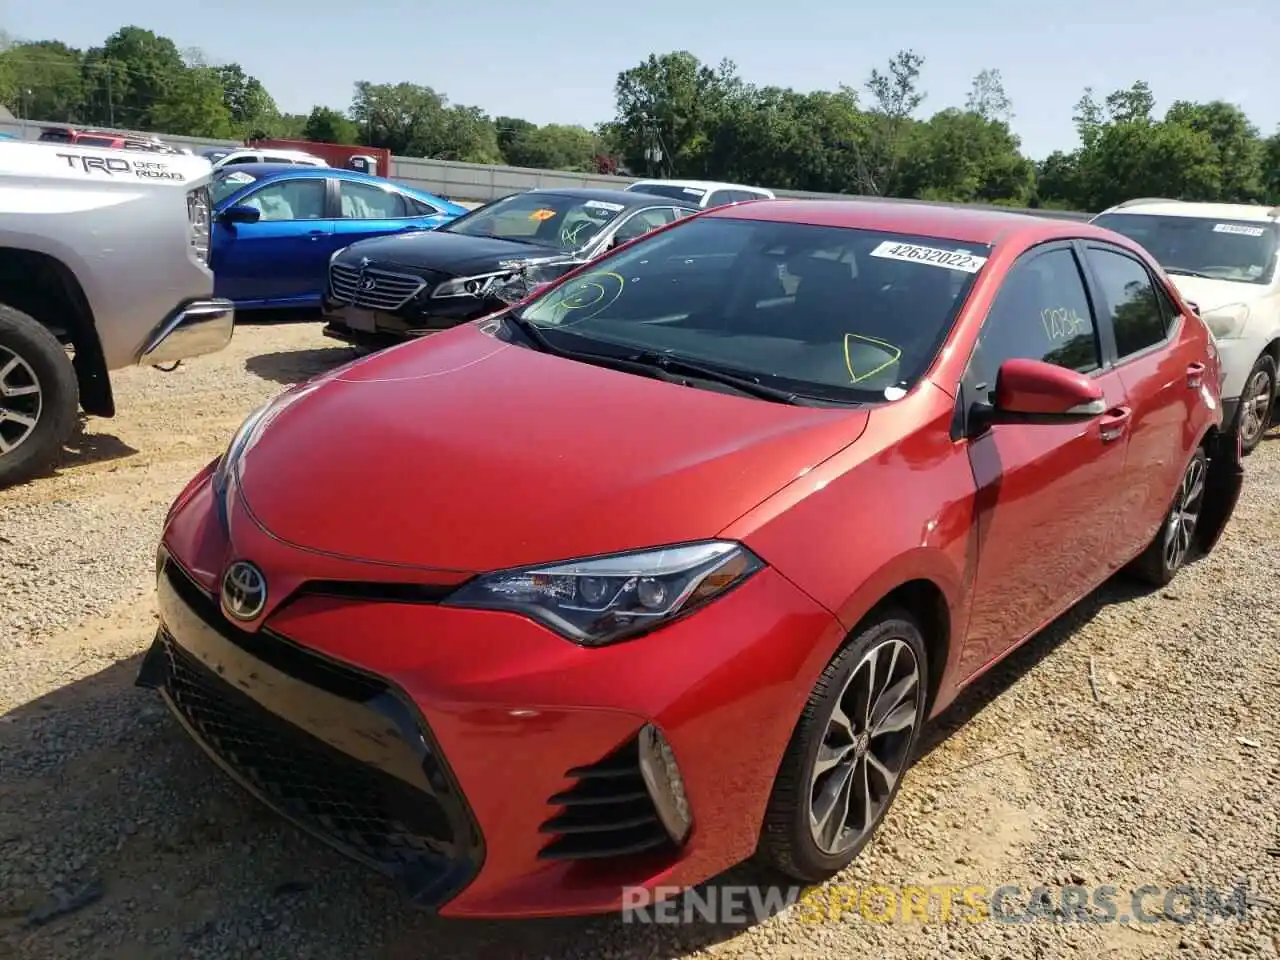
559,65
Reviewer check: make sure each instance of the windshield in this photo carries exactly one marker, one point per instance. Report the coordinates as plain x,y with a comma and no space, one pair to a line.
552,220
826,312
1240,250
687,194
228,182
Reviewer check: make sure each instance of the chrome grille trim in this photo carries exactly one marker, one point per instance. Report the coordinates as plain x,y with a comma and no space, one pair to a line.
391,290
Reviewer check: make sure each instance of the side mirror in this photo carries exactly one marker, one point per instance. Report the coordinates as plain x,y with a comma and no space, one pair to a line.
241,213
1195,307
1033,391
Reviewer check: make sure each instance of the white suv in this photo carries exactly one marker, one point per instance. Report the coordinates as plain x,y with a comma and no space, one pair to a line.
1224,258
268,155
705,193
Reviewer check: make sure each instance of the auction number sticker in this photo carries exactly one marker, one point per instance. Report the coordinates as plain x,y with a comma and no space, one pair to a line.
541,215
1239,229
602,205
933,256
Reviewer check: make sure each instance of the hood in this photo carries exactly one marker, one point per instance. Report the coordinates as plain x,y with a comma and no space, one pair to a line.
1209,295
465,453
450,253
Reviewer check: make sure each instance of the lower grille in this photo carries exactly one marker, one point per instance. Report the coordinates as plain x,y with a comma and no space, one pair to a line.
607,813
372,288
412,824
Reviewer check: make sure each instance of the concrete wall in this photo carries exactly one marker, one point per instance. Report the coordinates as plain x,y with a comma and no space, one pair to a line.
484,182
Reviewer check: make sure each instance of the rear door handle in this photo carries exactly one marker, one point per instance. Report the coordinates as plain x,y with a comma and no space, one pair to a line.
1114,423
1195,374
412,228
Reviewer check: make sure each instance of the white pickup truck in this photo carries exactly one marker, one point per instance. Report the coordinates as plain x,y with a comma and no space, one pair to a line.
104,259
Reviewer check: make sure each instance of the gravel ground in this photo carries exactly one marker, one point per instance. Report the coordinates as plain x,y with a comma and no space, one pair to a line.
111,818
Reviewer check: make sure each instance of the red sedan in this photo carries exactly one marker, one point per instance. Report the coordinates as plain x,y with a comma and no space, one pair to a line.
668,564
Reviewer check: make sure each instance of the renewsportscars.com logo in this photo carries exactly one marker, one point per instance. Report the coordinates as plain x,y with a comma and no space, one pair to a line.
939,903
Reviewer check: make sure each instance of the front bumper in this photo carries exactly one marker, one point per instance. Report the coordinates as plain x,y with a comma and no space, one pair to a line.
195,328
484,763
360,324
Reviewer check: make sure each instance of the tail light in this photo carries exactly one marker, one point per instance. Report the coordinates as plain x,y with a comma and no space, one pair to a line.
200,215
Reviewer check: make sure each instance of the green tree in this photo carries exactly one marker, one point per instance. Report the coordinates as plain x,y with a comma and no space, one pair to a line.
1236,142
45,80
326,125
987,97
510,131
134,70
896,96
1271,168
246,99
192,105
666,107
552,147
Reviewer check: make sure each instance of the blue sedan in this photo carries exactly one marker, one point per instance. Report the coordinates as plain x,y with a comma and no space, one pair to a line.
276,226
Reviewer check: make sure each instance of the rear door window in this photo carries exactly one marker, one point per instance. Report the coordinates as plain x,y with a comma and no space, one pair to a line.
1139,319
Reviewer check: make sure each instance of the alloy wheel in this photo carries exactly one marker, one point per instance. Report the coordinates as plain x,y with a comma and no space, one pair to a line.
21,400
1180,528
1255,407
865,748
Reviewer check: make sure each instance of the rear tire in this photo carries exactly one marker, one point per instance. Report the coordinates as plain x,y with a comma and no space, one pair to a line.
849,751
1174,543
39,397
1254,413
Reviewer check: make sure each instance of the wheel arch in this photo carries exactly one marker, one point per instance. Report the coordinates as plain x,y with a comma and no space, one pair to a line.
49,291
927,601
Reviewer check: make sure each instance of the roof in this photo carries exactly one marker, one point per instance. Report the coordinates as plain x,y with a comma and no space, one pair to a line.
1206,211
261,170
630,199
965,224
707,185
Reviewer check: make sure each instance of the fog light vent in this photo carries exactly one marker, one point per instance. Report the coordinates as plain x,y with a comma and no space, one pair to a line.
663,781
631,802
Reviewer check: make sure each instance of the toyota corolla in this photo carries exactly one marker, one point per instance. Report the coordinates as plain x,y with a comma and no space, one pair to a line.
668,564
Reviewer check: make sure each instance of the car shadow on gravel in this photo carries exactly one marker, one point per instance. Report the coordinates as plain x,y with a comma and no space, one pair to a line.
294,366
110,813
1119,589
83,449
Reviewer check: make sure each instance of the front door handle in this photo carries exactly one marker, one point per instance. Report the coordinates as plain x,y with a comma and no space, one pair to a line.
316,234
1114,423
1195,375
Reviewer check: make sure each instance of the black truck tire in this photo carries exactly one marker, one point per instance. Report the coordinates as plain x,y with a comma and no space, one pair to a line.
39,397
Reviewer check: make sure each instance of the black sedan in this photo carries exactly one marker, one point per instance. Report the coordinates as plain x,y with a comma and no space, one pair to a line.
386,289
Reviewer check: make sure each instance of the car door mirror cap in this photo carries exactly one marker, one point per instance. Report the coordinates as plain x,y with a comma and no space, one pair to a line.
1193,307
240,213
1033,389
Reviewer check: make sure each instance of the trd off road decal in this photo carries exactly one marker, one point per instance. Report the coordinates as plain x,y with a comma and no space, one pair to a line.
143,169
932,256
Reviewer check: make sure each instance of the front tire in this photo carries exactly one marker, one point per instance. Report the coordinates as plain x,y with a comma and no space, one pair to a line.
1254,414
39,397
849,751
1174,542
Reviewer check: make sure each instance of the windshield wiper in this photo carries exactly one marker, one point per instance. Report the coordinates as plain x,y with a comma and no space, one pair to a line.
660,366
534,335
674,365
1184,272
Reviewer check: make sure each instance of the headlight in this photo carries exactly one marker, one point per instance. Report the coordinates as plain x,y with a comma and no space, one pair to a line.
477,286
605,599
1227,323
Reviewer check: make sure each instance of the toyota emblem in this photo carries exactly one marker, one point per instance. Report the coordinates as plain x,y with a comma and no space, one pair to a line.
244,590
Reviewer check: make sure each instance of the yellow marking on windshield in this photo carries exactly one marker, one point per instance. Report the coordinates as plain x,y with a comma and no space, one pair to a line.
884,345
